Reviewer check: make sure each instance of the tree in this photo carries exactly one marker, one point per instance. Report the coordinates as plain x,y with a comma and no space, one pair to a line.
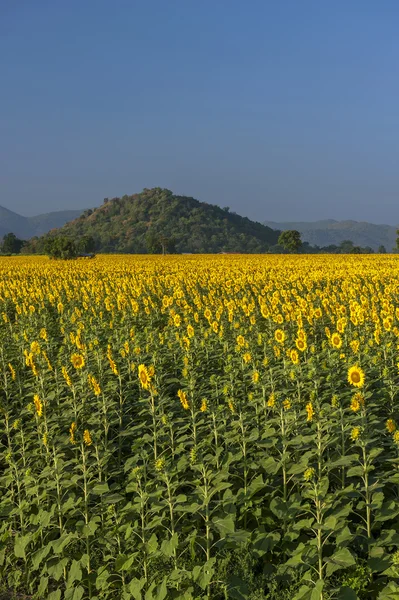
61,247
290,240
11,244
86,244
157,243
382,249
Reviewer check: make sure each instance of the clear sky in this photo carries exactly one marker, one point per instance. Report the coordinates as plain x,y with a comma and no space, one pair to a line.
280,109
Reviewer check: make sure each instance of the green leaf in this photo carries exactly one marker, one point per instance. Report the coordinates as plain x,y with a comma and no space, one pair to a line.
206,574
304,593
162,590
75,573
265,542
225,525
152,544
40,555
21,541
169,546
339,560
61,543
74,593
54,595
135,587
100,488
318,590
42,586
346,593
390,592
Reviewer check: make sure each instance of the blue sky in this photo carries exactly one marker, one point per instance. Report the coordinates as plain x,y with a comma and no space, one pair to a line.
282,110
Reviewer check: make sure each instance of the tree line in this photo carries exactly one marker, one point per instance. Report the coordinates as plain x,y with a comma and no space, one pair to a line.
289,241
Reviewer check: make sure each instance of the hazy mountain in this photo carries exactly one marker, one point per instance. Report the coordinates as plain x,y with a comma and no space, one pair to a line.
27,227
324,233
131,223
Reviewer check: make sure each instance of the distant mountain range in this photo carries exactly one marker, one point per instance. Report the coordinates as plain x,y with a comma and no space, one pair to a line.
142,222
27,227
325,233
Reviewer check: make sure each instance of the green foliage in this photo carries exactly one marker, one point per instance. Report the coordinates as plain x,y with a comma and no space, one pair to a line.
61,247
158,221
290,240
11,244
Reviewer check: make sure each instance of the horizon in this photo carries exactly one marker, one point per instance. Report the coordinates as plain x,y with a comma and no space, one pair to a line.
279,111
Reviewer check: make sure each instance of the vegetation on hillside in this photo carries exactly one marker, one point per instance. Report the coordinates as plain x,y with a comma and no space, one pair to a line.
156,218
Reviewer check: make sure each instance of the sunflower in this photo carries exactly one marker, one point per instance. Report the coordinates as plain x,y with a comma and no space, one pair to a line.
183,399
310,411
355,433
301,344
78,361
357,402
144,377
38,405
87,437
356,376
240,341
336,341
390,425
294,356
279,336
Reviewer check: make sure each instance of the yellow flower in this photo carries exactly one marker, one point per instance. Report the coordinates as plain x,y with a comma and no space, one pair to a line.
35,347
240,341
272,400
87,437
356,376
309,474
336,340
72,431
247,357
144,377
357,402
396,437
301,344
204,405
12,371
255,376
279,336
310,411
160,465
38,405
355,433
77,361
294,356
66,376
95,385
183,399
390,425
287,404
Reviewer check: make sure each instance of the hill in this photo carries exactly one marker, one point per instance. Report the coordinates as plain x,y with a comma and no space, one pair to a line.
130,224
325,233
27,227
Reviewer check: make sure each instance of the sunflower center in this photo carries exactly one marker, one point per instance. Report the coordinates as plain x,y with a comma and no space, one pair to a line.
355,377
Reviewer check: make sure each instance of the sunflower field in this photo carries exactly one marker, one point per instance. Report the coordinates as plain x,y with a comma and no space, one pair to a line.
197,427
